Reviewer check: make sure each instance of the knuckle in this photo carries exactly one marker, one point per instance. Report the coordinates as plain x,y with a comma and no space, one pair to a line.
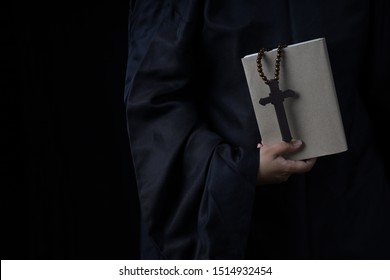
289,167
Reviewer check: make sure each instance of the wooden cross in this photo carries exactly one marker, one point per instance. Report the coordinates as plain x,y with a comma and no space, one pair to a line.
276,97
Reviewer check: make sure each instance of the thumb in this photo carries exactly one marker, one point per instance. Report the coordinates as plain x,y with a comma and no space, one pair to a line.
284,148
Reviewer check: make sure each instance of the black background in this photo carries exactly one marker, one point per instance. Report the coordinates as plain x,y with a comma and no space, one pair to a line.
68,188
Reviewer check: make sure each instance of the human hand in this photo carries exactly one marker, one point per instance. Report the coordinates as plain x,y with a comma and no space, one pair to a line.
275,168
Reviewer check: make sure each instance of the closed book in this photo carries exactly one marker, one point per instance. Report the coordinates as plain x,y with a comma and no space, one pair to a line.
309,103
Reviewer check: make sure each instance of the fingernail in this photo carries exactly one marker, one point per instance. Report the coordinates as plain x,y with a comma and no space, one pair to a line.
297,143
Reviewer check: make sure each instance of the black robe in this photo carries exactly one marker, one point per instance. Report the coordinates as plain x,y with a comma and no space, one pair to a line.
193,132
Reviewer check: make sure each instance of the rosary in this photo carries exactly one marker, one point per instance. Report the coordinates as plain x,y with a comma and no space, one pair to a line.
276,97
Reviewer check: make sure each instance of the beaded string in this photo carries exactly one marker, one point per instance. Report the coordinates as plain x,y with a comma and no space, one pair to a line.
277,63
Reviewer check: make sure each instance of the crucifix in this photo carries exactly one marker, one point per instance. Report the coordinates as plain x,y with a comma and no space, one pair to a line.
276,97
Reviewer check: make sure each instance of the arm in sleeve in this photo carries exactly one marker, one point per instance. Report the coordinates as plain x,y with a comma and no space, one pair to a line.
196,191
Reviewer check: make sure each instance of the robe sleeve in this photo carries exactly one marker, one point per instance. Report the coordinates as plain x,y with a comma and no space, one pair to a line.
196,190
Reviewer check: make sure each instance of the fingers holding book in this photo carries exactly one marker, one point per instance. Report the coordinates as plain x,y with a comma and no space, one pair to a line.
274,168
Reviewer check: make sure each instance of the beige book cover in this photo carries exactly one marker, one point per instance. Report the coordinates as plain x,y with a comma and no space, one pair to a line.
313,114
